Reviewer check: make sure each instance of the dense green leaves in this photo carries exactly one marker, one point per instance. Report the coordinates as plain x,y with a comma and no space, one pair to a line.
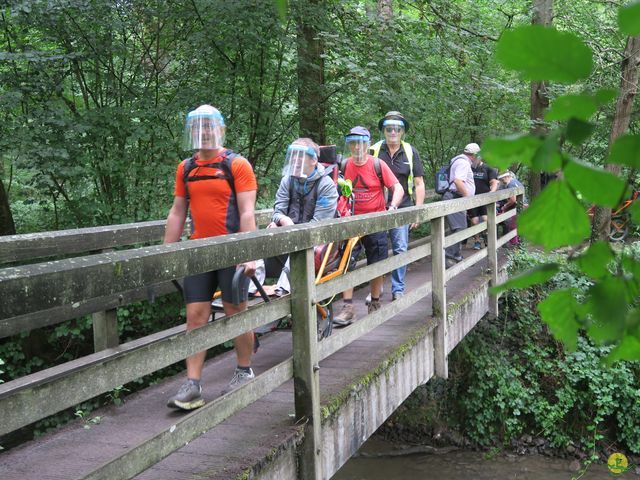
537,274
629,19
541,53
555,218
595,184
558,311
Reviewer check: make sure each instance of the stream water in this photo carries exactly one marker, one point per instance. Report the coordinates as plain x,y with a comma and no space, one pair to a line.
465,465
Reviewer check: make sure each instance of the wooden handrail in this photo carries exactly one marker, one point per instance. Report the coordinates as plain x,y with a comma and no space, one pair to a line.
31,289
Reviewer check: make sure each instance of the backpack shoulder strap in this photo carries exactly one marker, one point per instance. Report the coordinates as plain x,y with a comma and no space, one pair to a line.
189,164
378,169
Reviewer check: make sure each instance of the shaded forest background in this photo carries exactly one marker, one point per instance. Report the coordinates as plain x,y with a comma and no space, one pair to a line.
93,93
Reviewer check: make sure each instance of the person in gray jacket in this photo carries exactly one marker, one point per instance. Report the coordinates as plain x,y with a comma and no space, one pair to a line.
306,194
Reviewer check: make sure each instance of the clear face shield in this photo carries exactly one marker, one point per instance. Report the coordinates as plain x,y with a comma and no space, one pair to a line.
204,129
357,146
300,161
393,131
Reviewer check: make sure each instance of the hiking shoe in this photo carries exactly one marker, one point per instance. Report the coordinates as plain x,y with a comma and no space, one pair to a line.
367,300
396,296
345,316
240,377
374,306
189,397
477,246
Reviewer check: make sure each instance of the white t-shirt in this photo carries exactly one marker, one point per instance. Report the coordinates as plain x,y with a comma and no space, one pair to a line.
461,169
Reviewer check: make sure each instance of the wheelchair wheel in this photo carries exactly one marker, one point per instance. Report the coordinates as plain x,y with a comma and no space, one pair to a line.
619,228
325,325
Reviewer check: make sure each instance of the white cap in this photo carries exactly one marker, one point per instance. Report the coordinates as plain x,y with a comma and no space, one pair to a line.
504,174
472,148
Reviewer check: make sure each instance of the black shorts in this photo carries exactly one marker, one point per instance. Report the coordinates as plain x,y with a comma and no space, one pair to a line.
375,247
201,287
478,212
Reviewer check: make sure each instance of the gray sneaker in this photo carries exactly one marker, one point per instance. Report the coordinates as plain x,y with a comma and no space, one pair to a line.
374,306
240,377
396,296
189,397
345,316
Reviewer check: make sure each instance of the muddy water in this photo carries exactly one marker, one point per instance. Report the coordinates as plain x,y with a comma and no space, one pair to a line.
464,465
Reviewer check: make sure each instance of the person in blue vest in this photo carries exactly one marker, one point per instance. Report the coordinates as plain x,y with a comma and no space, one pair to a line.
404,161
305,194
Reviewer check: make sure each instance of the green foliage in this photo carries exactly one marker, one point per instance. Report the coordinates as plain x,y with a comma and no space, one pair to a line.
556,217
509,376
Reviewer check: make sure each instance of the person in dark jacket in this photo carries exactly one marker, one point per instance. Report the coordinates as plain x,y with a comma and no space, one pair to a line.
305,194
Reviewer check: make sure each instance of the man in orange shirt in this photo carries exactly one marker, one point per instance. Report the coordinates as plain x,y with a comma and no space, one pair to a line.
219,187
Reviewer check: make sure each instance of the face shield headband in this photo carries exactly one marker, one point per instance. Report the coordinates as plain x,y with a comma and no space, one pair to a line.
357,146
204,130
299,160
393,126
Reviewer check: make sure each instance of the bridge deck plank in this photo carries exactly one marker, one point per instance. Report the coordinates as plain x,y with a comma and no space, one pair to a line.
252,434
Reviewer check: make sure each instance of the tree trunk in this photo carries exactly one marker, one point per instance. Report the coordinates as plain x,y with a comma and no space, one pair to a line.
7,227
621,119
311,97
542,15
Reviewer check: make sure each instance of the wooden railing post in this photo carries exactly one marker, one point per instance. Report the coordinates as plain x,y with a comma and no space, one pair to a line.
105,326
492,255
439,296
306,375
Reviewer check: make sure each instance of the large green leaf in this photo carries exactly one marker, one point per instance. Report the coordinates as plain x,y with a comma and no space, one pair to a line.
595,184
558,311
629,19
547,158
544,53
626,151
555,218
538,274
608,305
627,349
595,260
580,106
572,106
635,212
579,130
503,152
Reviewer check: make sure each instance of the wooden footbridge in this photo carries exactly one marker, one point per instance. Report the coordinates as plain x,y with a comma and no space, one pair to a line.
312,404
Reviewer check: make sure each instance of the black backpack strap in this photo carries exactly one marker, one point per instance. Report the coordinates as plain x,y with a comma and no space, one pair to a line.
224,165
378,169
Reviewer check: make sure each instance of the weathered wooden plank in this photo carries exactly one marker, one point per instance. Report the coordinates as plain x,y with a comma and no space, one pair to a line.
492,253
47,285
105,330
364,274
52,316
506,237
439,297
305,362
30,246
364,325
191,426
464,234
465,264
30,398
